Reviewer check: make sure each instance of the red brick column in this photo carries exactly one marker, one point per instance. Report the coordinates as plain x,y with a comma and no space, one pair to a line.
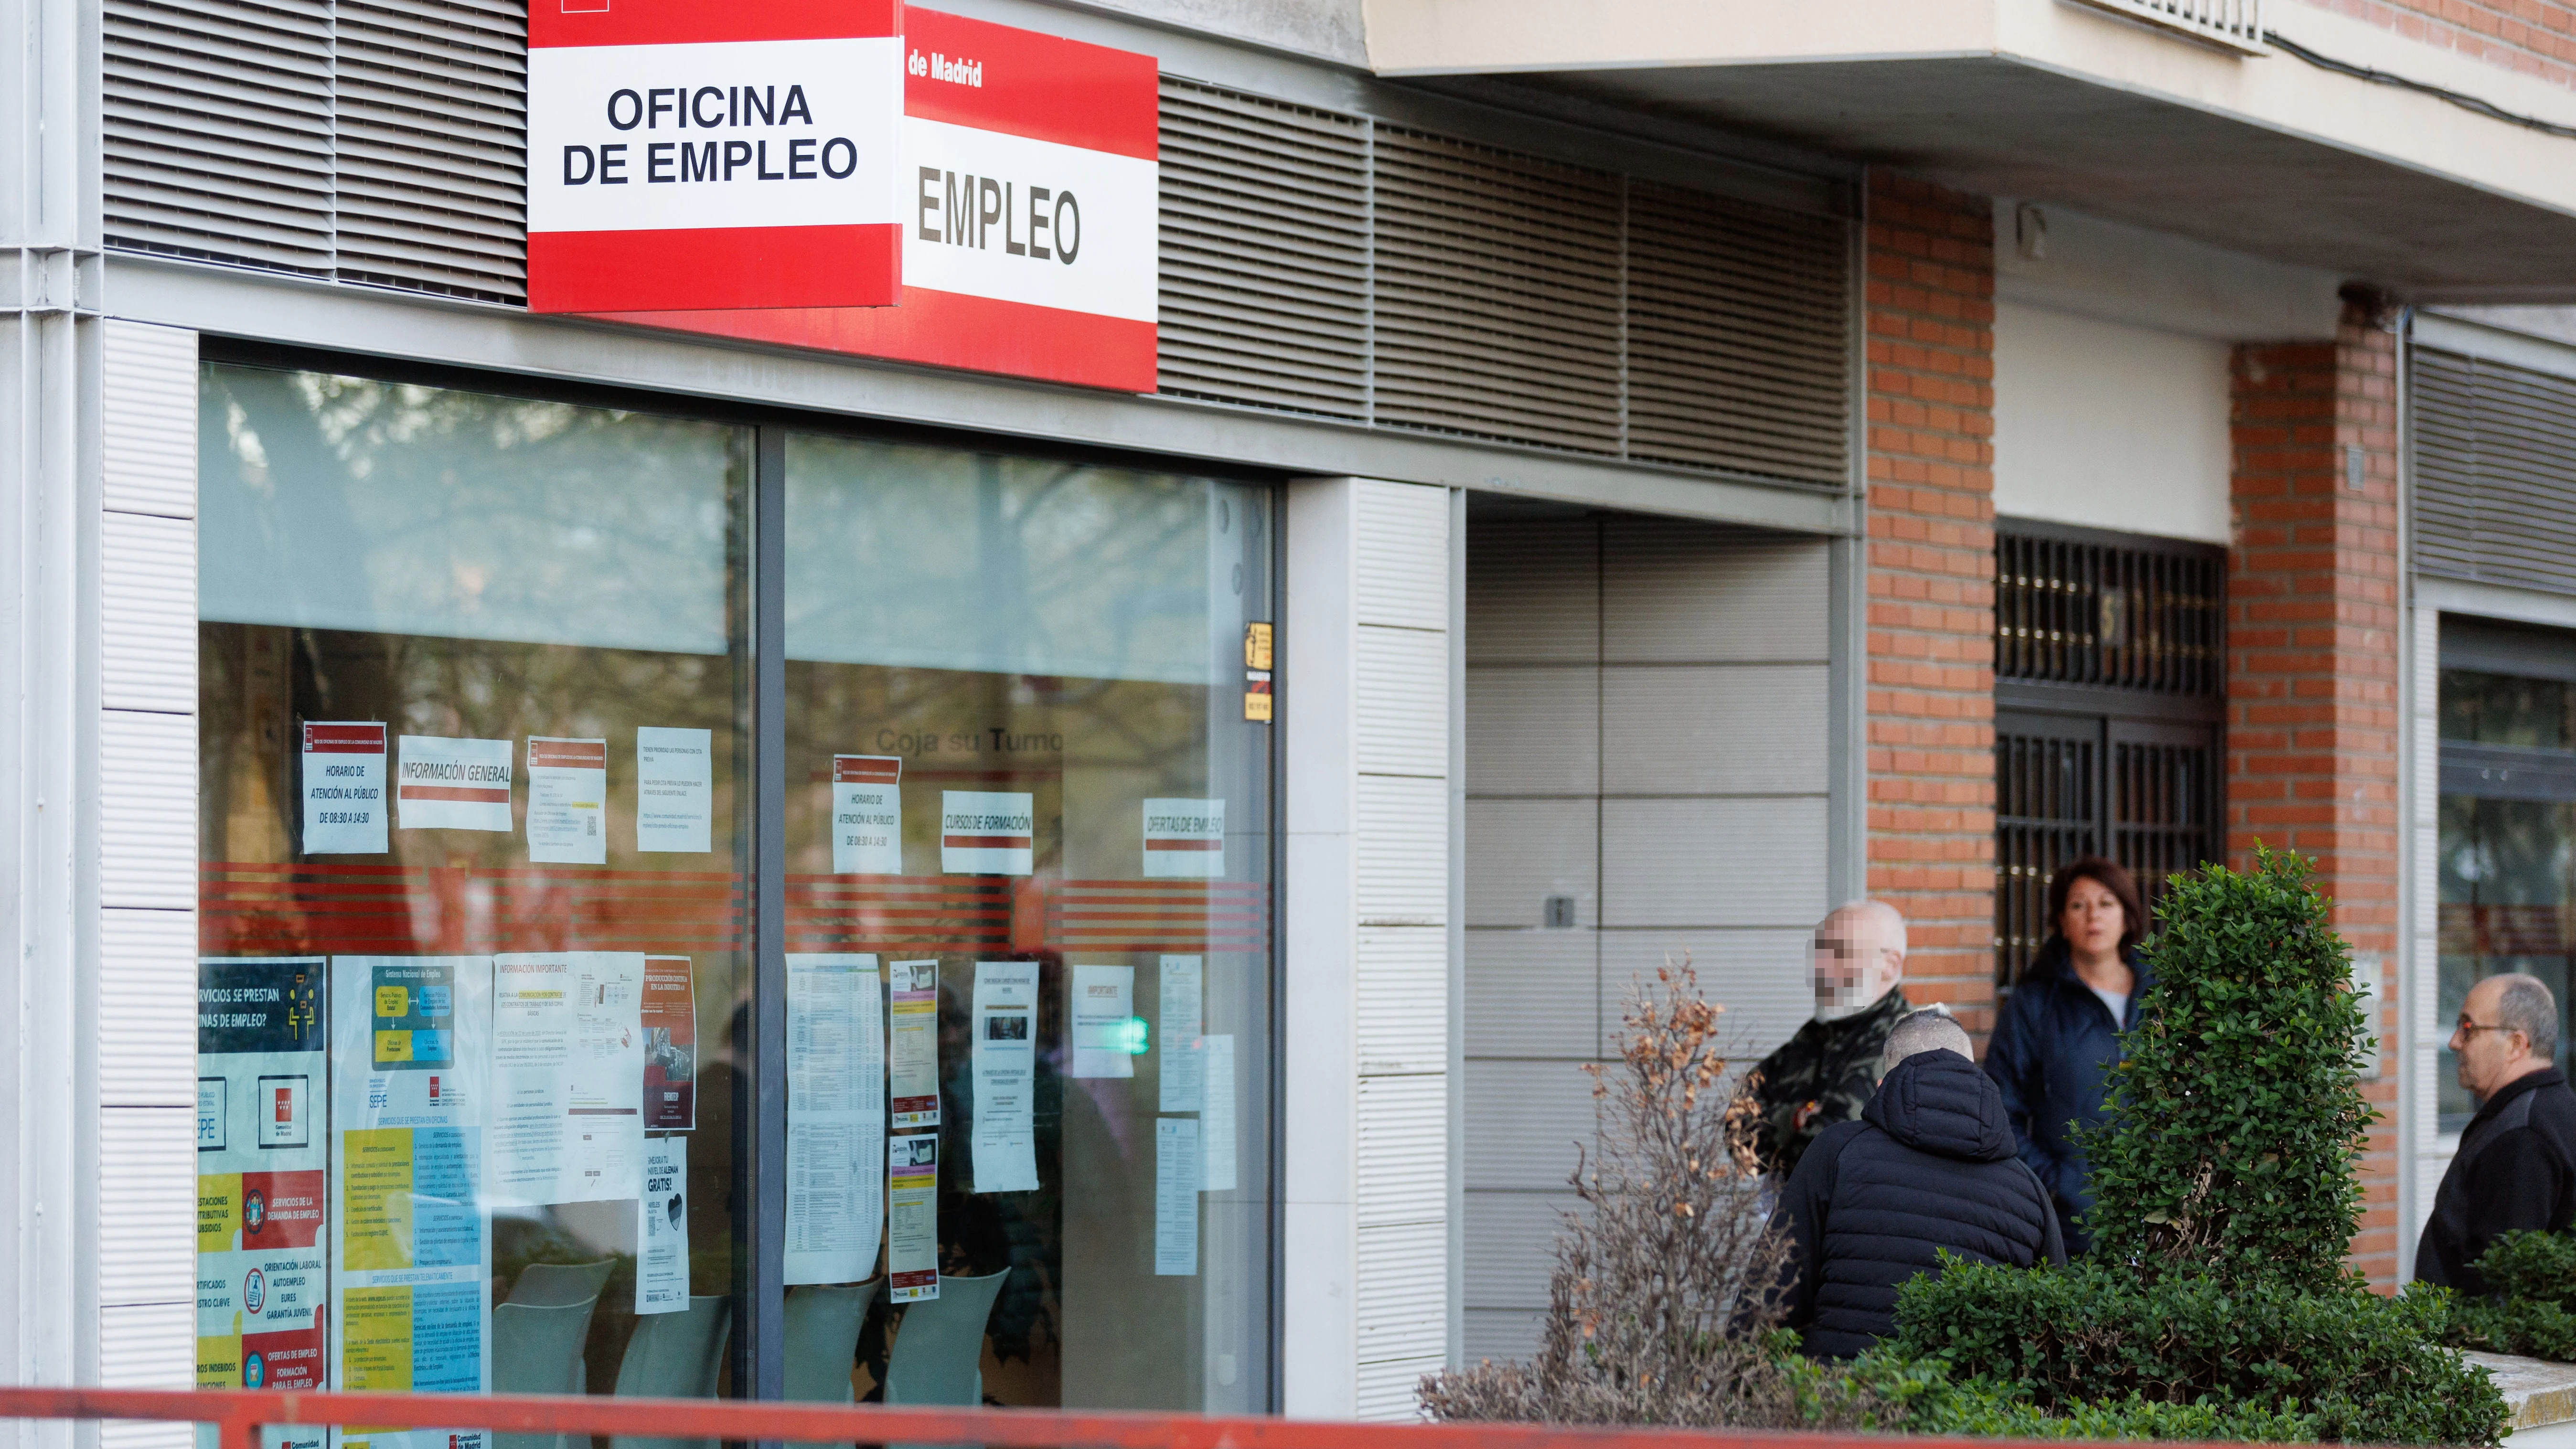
2312,703
1931,694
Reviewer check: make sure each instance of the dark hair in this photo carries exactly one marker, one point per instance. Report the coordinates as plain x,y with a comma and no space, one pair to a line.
2111,876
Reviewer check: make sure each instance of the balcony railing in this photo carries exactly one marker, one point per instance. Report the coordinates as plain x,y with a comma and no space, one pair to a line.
2236,24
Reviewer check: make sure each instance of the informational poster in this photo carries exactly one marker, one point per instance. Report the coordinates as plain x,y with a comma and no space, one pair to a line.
567,1113
1004,1060
345,811
835,1118
662,1228
453,784
867,815
1184,839
411,1247
1176,1196
567,801
1216,1118
912,1218
983,833
1179,1026
670,1045
1103,998
674,789
261,1161
912,1044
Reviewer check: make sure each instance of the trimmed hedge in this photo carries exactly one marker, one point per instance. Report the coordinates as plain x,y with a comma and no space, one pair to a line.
2346,1363
2534,1312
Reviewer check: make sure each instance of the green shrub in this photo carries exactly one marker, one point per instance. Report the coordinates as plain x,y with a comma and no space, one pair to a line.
2236,1115
1918,1396
2533,1310
2347,1363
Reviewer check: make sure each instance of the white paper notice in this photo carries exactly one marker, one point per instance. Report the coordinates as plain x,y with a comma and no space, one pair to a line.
1216,1117
567,1076
1184,839
986,834
674,789
1103,998
1005,1062
567,801
867,815
835,1118
662,1228
912,1218
1176,1196
912,1043
452,784
1179,1028
344,789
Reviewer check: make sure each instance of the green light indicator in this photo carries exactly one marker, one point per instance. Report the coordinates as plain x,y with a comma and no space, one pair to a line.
1134,1038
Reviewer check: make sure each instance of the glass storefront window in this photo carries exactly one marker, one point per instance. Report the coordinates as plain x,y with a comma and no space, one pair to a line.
2507,846
481,1003
1020,775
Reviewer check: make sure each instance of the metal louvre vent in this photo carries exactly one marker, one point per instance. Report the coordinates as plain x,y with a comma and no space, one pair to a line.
2143,616
1264,253
1384,275
377,141
432,141
2495,472
1736,350
1498,294
218,129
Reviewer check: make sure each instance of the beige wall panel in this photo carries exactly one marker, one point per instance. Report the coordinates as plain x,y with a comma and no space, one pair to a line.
1528,1117
1530,994
1519,852
1712,862
1713,729
1533,592
1533,730
1689,593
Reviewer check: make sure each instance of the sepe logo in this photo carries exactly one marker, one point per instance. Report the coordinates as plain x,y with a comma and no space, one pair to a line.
254,1291
254,1371
254,1214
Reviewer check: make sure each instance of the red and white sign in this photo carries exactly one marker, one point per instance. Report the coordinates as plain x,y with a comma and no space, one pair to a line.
685,156
344,789
1029,195
454,784
1184,839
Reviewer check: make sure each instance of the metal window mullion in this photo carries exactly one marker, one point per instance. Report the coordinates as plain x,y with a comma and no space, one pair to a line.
760,1362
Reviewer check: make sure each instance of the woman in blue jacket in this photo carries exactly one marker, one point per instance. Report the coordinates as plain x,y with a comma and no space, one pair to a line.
2059,1035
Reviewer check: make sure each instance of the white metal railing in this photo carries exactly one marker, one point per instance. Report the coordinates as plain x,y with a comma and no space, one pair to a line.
2236,24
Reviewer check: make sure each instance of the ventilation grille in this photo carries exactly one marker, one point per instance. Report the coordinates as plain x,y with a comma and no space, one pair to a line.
1324,264
2495,472
376,141
1497,294
2145,617
1264,253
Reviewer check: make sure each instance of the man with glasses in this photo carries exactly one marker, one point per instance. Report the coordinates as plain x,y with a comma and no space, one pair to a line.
1825,1072
2516,1167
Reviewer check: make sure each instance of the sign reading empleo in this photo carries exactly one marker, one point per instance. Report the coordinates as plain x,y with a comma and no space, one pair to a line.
685,156
1028,196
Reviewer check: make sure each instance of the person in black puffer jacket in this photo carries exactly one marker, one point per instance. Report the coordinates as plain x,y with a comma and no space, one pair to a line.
1930,1165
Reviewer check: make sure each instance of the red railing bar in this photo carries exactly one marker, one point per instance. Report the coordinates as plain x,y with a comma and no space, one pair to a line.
241,1412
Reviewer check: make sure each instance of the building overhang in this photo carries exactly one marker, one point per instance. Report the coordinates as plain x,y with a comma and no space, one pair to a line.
2263,153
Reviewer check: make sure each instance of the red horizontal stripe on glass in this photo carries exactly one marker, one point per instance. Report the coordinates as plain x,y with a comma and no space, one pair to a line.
1185,845
718,267
455,792
863,770
945,329
985,842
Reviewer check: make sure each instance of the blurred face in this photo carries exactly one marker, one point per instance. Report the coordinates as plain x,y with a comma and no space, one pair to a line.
2489,1056
2094,920
1855,964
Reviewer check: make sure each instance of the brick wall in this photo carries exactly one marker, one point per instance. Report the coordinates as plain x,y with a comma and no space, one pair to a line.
2534,37
2312,660
1931,583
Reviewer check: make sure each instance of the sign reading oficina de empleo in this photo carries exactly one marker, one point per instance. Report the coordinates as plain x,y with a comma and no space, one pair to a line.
686,156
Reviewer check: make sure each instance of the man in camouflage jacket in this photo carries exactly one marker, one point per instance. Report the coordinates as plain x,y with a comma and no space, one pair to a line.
1827,1071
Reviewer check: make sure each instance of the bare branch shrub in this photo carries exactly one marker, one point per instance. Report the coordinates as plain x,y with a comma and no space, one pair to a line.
1665,1299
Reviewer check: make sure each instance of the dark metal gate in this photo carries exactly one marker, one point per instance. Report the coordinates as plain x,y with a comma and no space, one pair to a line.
2110,685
